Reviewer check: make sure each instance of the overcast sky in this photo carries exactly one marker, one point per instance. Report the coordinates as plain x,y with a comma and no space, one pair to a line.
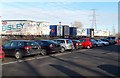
66,12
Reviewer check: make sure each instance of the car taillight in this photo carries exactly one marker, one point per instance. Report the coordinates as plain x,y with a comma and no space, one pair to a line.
77,44
80,43
27,47
51,46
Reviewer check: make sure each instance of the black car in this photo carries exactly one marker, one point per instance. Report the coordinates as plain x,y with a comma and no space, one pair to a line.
112,40
49,46
20,48
106,40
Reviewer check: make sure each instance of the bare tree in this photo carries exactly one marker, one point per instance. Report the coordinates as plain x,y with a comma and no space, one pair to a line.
77,24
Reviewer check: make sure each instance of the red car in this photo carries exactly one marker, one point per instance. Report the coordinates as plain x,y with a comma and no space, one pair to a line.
118,41
86,43
2,54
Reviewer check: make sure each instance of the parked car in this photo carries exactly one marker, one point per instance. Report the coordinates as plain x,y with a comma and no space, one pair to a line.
49,46
96,43
118,41
103,39
112,40
20,48
103,42
86,43
77,44
2,53
66,44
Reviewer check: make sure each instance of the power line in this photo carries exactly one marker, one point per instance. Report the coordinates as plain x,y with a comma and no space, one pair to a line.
94,24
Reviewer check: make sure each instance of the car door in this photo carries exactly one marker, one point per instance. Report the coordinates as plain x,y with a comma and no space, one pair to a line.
56,46
35,47
62,43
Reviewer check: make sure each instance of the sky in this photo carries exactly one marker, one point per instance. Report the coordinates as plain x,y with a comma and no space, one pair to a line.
64,12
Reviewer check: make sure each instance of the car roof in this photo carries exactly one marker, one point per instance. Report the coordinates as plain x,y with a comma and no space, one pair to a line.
22,40
62,39
43,40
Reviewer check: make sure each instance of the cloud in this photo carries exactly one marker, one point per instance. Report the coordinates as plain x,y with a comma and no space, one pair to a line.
66,16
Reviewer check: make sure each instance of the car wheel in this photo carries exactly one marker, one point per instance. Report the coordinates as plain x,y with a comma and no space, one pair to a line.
18,55
95,45
62,49
103,44
88,47
43,52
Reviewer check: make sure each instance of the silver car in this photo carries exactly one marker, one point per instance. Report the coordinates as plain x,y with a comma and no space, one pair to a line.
66,44
103,42
96,43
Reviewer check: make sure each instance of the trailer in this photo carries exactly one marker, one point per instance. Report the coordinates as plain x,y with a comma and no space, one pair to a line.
88,32
73,31
19,27
59,31
44,28
53,30
24,27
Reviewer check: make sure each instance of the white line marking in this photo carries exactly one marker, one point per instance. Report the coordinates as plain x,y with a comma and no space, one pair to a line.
42,57
9,63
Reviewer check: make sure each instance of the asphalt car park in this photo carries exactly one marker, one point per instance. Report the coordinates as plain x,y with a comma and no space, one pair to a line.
99,61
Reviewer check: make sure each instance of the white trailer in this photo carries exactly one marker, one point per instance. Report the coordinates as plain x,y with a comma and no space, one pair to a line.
24,27
63,30
18,27
81,32
43,28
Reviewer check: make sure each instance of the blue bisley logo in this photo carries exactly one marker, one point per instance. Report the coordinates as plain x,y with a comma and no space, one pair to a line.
13,27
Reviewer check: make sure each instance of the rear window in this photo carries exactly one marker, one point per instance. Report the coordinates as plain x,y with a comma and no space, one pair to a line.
69,41
83,40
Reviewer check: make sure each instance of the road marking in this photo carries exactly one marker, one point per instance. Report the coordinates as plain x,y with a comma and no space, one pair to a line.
34,58
41,57
82,50
9,63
